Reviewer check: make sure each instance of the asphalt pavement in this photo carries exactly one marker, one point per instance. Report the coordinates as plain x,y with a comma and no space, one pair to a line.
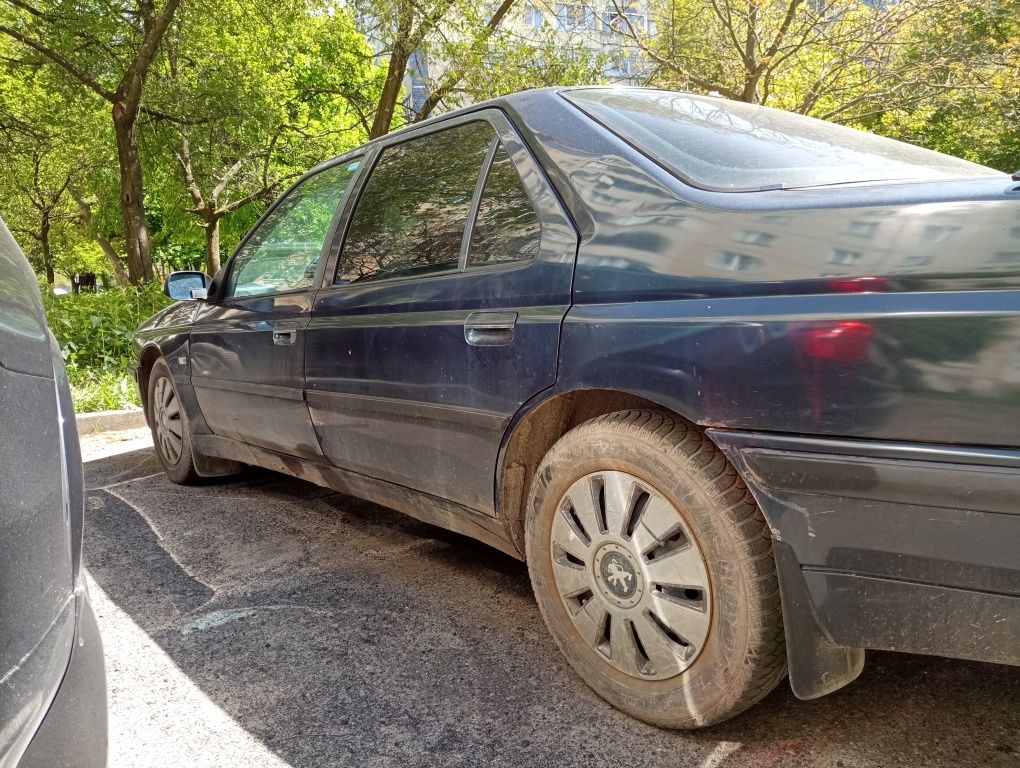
263,621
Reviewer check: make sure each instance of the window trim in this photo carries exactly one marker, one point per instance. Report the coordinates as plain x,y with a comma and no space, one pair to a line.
476,200
505,133
358,152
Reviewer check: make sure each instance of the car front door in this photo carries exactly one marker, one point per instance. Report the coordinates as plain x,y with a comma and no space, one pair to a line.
247,346
444,312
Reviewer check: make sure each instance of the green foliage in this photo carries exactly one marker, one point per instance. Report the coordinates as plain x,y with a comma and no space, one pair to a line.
95,332
944,74
103,390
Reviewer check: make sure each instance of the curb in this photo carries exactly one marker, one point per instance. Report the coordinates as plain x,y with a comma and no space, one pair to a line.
108,421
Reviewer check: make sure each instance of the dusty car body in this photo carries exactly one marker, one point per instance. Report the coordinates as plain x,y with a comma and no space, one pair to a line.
850,343
52,679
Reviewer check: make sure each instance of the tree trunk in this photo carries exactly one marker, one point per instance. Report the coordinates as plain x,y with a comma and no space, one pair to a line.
212,246
391,91
136,234
44,242
120,274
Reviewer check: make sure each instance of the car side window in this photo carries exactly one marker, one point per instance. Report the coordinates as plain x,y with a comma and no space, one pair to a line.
282,254
411,217
507,227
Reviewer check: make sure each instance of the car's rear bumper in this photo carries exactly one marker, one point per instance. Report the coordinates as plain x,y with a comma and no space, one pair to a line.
73,733
888,546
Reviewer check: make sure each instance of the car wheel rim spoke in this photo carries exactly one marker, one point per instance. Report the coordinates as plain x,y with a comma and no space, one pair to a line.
168,422
664,655
684,620
631,575
626,650
580,505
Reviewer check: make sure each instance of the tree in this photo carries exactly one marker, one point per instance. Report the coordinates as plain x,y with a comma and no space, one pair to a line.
295,71
841,60
484,57
403,29
467,55
49,141
978,123
108,48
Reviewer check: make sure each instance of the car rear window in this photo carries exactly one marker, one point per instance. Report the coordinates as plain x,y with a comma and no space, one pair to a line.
718,144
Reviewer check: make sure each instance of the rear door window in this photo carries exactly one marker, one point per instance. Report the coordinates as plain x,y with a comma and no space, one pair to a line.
412,214
507,227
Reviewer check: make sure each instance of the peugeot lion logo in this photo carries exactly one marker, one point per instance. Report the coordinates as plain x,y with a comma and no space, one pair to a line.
618,576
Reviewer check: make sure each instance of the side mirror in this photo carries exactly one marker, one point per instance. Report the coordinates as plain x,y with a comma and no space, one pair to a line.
187,285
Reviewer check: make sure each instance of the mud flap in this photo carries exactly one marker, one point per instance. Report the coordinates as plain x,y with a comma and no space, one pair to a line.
817,665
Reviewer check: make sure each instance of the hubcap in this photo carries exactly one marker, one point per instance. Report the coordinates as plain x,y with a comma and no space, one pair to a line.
167,418
630,575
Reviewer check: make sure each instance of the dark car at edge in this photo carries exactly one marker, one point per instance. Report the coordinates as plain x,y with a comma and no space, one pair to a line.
52,678
741,387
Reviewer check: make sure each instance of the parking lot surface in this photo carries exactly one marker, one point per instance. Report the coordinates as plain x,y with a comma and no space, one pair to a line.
263,621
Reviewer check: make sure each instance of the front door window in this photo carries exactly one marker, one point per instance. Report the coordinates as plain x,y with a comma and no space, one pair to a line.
282,254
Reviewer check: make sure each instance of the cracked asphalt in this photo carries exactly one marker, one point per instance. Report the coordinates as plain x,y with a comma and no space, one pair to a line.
263,621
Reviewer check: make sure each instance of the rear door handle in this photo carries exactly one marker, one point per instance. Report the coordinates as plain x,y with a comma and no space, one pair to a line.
284,334
490,329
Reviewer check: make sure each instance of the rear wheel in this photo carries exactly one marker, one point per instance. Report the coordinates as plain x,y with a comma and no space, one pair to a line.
169,425
653,568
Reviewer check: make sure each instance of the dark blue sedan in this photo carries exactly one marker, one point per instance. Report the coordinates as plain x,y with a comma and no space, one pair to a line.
742,387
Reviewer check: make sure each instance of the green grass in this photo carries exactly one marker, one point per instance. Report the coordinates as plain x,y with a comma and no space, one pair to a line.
94,331
108,390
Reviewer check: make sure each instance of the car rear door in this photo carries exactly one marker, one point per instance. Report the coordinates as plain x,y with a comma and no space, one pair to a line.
247,347
443,313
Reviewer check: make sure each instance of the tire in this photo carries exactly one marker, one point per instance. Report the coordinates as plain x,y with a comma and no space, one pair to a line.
653,568
168,422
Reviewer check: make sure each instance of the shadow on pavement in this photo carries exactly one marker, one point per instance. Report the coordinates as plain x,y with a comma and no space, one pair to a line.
338,632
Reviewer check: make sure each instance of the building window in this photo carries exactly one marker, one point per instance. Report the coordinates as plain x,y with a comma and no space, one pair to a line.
732,261
575,17
533,17
754,238
621,66
862,228
937,233
1007,258
912,262
617,20
844,257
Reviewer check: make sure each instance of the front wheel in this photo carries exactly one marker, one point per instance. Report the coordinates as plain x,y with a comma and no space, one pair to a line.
169,425
653,568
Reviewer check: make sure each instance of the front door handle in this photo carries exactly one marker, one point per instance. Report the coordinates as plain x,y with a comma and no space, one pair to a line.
284,335
490,329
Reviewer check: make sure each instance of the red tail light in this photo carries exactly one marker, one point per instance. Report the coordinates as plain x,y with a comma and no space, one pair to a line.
856,284
845,341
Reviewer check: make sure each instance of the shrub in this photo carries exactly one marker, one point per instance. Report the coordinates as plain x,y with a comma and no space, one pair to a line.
94,331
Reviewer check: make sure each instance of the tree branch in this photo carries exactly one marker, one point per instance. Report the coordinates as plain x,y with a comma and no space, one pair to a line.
453,78
62,61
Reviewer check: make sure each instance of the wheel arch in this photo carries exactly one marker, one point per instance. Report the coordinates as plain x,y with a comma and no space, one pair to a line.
536,428
150,354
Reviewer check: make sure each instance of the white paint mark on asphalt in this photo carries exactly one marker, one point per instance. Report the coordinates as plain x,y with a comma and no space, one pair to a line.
158,715
129,480
717,756
216,619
